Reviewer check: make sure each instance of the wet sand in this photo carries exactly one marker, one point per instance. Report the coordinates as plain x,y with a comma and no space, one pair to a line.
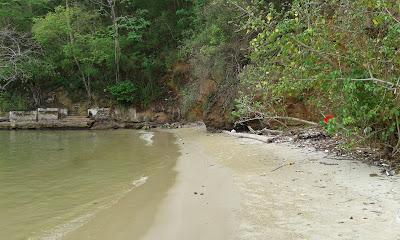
226,189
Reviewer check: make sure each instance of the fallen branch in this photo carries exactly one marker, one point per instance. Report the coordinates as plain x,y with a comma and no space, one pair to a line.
277,118
264,131
250,136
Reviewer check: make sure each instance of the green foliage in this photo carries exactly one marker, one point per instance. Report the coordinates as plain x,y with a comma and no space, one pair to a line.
215,50
77,44
331,126
12,102
19,13
134,26
335,56
124,92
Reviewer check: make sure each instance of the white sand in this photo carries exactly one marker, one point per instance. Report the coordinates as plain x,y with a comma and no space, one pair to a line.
244,200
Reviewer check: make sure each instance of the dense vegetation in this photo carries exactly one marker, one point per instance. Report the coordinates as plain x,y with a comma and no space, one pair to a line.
260,58
335,57
86,48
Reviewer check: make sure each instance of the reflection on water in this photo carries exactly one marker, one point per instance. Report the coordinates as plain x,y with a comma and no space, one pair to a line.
54,182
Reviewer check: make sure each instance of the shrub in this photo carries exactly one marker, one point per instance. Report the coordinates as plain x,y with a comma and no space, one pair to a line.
124,92
12,102
334,56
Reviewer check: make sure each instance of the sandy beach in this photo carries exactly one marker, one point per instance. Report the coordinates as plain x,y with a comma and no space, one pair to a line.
230,188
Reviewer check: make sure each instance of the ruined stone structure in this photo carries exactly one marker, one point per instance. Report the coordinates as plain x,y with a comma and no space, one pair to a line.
23,116
99,114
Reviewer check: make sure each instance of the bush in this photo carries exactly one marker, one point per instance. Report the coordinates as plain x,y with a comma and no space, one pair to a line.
12,102
333,56
124,92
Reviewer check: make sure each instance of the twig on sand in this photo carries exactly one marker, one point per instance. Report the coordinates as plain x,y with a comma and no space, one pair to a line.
283,165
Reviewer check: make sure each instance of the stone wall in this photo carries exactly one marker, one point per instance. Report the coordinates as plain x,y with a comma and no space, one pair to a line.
99,114
63,113
23,116
125,114
39,115
48,114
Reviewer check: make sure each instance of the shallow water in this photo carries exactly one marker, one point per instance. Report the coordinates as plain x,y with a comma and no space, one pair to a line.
56,184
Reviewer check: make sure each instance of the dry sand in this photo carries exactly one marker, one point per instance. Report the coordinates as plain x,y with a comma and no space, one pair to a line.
226,189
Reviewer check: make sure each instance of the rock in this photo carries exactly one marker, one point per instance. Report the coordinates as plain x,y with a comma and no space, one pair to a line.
134,125
313,134
125,114
390,172
100,125
4,119
160,118
99,114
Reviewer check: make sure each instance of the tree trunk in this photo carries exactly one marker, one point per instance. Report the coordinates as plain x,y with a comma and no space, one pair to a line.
71,39
117,48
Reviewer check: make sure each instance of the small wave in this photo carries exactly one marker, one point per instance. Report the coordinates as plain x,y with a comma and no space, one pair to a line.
139,182
59,232
62,230
147,136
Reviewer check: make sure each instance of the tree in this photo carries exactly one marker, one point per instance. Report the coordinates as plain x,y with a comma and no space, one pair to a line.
70,39
16,50
109,6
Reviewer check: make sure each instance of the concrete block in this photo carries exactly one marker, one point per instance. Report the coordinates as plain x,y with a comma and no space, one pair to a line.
23,116
99,113
48,114
63,113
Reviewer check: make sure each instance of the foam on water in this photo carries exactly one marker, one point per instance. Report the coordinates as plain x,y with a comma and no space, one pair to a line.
139,182
147,136
62,230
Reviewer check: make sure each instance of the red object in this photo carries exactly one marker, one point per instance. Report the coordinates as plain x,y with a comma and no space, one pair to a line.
328,117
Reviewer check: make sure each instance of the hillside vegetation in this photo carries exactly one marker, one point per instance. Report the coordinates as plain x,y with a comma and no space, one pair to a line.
306,59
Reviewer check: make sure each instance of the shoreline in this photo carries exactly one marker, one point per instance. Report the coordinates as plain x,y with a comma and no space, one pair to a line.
203,203
224,186
273,191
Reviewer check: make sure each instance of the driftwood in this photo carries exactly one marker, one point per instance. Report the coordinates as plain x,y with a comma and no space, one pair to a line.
264,131
250,136
277,118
